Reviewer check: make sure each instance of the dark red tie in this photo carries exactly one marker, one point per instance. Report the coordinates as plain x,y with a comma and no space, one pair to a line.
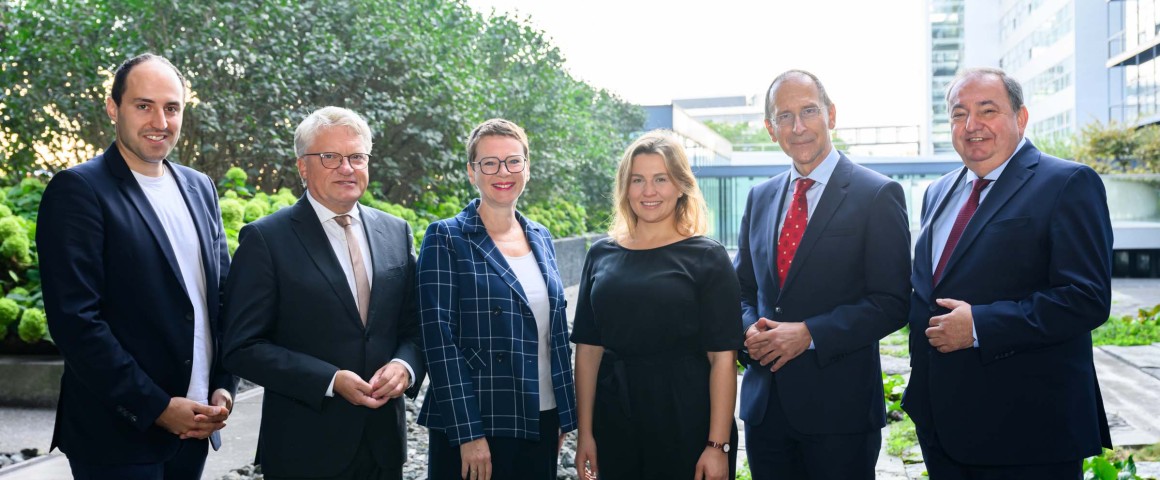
961,220
794,227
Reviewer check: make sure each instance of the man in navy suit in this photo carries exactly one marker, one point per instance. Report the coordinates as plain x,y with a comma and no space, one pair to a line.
822,260
321,310
1012,271
132,253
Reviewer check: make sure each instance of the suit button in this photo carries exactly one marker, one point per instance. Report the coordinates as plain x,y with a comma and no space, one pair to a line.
933,308
499,357
188,362
777,310
496,311
189,317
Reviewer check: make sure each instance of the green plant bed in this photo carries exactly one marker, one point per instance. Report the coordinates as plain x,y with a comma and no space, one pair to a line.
1128,330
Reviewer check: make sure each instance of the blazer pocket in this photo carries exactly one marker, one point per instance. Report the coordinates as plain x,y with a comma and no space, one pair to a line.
394,271
1008,224
474,358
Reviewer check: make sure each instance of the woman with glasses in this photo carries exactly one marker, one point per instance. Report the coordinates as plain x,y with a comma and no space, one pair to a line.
657,328
494,328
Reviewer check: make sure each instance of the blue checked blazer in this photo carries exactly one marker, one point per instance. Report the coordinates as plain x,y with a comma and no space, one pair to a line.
479,335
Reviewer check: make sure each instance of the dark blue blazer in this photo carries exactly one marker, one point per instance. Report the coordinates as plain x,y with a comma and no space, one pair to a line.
848,283
480,337
117,307
1035,264
291,323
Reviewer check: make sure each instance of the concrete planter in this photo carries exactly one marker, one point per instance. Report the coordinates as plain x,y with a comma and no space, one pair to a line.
30,380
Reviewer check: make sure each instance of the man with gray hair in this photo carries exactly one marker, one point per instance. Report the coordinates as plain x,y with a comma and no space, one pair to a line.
322,312
1012,271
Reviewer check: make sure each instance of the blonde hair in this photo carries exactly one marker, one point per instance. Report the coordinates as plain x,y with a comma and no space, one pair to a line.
691,214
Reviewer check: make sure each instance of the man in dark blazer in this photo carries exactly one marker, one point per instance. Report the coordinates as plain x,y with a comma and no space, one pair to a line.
321,310
132,253
823,257
1012,271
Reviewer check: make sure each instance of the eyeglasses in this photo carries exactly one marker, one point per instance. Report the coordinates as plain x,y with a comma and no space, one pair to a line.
490,165
333,160
785,120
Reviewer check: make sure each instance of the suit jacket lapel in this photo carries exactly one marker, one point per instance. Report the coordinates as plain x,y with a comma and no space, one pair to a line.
377,243
472,226
1014,176
768,228
940,195
136,196
832,197
309,231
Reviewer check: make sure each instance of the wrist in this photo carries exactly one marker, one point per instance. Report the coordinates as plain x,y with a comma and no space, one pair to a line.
723,447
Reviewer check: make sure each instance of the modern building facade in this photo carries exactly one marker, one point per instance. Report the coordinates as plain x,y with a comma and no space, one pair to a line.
1132,70
1056,48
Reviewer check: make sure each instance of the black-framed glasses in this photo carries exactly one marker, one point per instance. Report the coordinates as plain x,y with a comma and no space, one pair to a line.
333,160
490,165
785,120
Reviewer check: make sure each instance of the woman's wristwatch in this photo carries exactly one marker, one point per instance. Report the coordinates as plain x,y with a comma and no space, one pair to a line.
724,447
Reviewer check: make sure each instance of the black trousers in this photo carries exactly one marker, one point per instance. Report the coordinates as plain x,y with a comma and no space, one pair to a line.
941,467
511,458
777,451
363,466
186,464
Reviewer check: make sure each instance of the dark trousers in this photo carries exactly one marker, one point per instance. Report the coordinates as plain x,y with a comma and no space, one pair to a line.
511,458
777,451
363,466
187,463
941,467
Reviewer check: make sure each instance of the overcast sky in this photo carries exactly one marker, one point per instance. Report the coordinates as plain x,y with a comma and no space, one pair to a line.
869,54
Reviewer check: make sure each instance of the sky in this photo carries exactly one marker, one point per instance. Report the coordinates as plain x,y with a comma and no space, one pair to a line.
869,54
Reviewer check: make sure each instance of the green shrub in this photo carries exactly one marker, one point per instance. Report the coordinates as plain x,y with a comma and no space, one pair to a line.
562,218
1141,329
10,226
233,213
1106,467
9,313
4,210
33,326
255,209
17,248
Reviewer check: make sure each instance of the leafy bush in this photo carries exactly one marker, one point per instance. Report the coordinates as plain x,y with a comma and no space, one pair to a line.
1106,467
33,326
9,313
1141,329
562,218
901,437
893,386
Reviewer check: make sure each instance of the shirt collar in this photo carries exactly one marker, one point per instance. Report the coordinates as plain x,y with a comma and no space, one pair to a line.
325,214
822,172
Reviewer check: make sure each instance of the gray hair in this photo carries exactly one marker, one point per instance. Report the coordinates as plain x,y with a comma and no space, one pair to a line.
1014,89
793,73
327,117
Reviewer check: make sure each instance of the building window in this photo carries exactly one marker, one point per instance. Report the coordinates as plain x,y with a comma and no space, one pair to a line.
1050,81
1055,126
1044,36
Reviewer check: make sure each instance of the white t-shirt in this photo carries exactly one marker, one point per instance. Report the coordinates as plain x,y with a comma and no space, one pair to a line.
527,270
165,197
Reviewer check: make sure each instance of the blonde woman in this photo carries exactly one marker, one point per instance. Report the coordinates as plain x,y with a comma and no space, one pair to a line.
656,330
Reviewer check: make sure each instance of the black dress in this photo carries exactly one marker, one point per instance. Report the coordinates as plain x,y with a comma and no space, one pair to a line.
656,312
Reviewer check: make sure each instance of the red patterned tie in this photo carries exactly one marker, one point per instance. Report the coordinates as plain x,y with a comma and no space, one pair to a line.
965,214
794,227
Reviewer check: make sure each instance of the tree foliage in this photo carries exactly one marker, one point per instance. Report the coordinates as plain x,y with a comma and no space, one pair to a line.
423,73
1118,148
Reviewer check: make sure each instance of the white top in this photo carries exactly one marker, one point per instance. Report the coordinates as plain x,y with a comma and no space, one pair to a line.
165,197
336,234
527,270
